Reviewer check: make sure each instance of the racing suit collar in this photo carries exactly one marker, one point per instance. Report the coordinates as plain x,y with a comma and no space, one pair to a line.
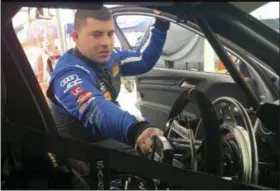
77,53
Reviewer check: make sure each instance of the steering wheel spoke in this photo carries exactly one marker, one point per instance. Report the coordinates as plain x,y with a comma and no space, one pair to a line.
188,143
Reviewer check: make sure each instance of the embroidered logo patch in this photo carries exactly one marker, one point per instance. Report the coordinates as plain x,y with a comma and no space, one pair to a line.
107,95
77,90
70,82
115,69
83,107
84,97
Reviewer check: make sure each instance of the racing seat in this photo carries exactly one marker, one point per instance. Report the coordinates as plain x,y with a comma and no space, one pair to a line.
183,48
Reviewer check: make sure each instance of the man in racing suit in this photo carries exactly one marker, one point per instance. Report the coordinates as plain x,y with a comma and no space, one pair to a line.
86,81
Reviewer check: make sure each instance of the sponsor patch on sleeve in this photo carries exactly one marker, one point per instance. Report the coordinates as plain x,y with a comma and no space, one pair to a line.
85,96
77,90
85,104
82,107
70,82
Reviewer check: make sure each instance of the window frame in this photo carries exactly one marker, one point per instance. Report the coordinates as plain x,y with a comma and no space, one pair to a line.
123,34
116,15
250,60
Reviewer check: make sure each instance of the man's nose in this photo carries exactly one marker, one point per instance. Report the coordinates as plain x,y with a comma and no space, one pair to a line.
106,41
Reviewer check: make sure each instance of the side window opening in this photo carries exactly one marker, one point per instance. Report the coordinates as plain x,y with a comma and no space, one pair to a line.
186,50
268,14
134,28
183,50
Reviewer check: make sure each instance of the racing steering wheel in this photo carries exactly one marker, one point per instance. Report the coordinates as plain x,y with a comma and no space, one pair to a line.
211,146
228,147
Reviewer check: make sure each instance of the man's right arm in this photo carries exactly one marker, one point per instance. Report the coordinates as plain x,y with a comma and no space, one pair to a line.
77,94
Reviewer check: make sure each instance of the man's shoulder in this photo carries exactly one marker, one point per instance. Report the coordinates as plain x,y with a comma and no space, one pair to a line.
118,55
115,58
69,64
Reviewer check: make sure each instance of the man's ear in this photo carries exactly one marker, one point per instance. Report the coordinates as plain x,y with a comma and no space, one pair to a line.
75,36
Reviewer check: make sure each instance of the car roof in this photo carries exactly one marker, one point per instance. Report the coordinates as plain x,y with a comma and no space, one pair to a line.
248,7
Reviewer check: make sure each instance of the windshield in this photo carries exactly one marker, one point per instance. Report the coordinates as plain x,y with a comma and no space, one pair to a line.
268,14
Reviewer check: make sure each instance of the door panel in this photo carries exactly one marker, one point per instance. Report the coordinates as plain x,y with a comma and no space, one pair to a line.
160,87
184,51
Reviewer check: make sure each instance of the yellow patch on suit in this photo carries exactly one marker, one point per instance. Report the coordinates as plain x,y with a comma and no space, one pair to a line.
140,118
107,95
115,70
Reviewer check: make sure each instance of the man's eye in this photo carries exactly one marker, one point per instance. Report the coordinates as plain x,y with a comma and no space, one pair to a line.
97,35
110,34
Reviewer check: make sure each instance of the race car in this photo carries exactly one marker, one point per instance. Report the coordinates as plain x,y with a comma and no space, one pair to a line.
221,130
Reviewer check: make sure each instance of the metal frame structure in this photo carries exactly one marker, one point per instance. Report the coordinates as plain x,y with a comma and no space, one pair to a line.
113,160
43,142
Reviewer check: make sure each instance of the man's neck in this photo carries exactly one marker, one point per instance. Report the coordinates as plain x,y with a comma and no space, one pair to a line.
78,53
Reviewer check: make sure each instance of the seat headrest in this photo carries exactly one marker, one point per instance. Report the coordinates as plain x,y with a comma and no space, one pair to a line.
180,43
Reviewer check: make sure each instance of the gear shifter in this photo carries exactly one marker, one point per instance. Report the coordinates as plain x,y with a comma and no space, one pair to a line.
162,150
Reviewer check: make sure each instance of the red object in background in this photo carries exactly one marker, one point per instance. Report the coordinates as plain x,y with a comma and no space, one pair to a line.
220,65
42,34
44,87
39,40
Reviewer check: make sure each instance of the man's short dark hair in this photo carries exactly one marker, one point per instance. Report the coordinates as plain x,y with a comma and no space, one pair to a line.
102,14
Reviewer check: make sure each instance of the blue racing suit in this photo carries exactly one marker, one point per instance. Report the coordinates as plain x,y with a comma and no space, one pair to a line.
83,94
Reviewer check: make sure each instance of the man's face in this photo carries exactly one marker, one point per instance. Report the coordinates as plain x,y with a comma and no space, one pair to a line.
95,39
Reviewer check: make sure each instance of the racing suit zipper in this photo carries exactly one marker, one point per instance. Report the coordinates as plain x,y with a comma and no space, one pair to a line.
104,82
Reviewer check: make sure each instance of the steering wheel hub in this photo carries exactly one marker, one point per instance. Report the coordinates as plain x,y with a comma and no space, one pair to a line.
232,160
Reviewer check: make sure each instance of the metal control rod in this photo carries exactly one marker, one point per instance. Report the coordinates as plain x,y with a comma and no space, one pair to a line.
220,51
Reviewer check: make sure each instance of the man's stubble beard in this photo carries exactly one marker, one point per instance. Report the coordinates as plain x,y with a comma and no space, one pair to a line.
101,61
95,58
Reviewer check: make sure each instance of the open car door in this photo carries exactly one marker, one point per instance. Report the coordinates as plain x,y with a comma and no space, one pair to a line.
187,61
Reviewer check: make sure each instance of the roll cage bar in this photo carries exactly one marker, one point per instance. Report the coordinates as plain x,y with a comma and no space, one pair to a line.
43,142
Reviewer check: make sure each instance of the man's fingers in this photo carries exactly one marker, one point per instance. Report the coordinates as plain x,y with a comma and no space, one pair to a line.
157,12
145,145
145,148
155,132
145,140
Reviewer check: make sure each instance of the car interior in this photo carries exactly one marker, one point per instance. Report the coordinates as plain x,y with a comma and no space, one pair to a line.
217,128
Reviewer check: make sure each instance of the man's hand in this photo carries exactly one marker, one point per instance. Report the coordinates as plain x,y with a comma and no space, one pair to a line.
157,12
161,24
145,140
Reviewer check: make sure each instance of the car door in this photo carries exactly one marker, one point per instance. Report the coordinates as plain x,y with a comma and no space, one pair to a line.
187,61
